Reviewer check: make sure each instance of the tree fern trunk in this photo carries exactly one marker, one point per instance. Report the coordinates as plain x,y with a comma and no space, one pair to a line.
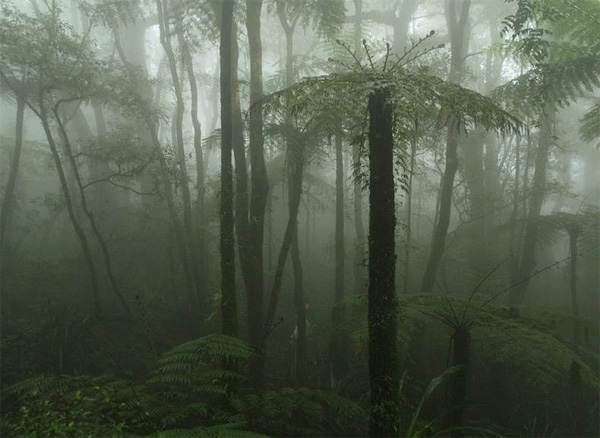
382,318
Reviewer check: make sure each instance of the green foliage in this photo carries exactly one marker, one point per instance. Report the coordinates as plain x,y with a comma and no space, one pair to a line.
302,412
590,125
540,355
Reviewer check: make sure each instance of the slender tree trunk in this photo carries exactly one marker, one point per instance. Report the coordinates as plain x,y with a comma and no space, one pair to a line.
382,312
457,27
339,344
9,193
92,220
200,216
294,187
411,173
189,239
259,193
229,324
85,247
515,211
359,227
573,236
538,192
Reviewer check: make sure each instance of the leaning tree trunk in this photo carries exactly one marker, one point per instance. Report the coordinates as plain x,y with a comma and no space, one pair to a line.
229,324
91,218
382,318
9,192
79,231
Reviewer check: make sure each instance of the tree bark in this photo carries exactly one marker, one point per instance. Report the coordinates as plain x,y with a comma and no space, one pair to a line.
229,324
259,192
382,311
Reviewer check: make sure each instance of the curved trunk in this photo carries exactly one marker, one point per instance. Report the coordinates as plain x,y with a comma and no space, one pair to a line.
92,220
85,247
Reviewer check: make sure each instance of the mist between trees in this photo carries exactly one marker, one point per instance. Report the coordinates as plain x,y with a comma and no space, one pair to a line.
299,218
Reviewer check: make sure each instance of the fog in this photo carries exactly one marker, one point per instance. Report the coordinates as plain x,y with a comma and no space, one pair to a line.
299,218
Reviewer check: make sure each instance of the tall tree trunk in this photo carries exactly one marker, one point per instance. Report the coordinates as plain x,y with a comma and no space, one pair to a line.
200,216
538,192
339,344
296,156
259,193
189,239
229,324
294,194
382,312
457,27
9,193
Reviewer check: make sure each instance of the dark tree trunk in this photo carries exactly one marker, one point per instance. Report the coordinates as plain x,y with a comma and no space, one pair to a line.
229,324
461,352
382,312
259,193
339,345
9,192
